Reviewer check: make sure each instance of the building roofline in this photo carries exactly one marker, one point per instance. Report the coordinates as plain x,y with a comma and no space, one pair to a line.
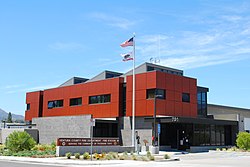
230,107
161,66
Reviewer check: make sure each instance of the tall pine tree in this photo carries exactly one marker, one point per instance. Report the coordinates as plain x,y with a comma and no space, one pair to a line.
9,119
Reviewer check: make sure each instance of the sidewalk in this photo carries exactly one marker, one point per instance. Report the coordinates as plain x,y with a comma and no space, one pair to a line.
65,161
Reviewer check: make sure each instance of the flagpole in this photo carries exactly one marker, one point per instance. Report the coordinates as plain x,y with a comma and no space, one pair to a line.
133,98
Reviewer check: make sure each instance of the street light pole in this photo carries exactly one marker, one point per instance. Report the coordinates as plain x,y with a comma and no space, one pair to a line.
155,100
154,144
4,123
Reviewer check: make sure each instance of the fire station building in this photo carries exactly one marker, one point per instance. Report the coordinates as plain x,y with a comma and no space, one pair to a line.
177,103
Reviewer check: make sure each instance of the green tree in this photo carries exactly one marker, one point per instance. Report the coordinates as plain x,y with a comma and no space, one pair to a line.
9,119
243,140
19,141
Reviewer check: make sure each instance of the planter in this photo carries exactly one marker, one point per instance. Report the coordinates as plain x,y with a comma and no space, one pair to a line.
145,148
155,149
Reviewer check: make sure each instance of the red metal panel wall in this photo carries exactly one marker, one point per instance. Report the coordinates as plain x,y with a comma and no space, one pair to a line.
109,86
33,98
171,106
174,85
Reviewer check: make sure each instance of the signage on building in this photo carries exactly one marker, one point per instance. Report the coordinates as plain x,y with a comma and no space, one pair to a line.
159,128
87,141
92,122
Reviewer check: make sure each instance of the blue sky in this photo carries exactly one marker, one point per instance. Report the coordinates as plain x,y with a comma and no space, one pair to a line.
44,43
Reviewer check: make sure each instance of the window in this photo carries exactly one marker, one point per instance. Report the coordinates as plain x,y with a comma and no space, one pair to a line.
186,97
112,75
212,137
28,106
149,68
161,93
55,104
124,89
99,99
75,101
202,103
105,130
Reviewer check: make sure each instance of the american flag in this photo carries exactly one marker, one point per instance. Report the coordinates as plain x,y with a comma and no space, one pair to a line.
129,42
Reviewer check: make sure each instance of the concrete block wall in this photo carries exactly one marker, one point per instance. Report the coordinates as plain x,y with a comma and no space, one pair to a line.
144,130
196,149
62,150
6,132
51,128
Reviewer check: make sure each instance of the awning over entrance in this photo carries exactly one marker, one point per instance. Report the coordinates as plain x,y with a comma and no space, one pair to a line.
190,120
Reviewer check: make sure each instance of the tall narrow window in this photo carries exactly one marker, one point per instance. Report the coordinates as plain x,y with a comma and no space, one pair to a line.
202,103
28,106
75,101
186,97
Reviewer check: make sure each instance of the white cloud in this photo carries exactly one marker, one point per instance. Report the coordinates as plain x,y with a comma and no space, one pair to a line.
232,18
30,89
114,21
190,62
12,86
194,49
66,46
220,36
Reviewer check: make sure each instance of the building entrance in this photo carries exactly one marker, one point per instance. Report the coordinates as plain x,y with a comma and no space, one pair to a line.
178,136
183,135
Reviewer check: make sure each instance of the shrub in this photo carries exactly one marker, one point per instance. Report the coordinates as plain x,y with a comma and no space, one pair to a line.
19,141
86,155
34,153
2,147
243,140
44,147
108,157
217,149
77,155
224,149
148,154
132,153
151,158
68,155
38,147
233,149
103,155
53,145
7,153
96,156
166,156
114,155
134,157
122,157
144,158
125,153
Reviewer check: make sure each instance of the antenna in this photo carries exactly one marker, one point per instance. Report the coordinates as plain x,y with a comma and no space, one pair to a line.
156,58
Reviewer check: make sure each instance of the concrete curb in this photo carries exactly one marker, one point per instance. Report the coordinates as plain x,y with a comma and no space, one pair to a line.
64,161
168,160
